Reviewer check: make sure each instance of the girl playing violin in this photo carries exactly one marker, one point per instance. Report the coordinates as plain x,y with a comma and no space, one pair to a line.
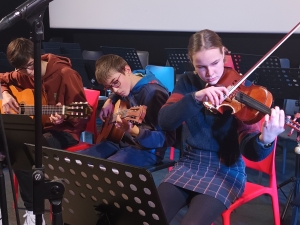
210,175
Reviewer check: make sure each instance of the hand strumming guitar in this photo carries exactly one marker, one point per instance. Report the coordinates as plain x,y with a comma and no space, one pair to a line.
9,103
127,126
56,118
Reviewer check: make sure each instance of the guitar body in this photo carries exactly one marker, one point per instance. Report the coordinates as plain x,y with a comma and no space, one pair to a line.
26,97
108,130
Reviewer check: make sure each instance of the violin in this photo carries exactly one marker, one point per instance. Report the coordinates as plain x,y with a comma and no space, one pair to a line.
248,103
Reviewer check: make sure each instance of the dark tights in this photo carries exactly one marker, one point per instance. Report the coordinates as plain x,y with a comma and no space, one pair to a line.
203,209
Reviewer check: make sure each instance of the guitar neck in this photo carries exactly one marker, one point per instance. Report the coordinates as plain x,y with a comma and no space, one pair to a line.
46,110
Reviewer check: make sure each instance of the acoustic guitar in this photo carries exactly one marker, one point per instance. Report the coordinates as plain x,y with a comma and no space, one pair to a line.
110,132
25,98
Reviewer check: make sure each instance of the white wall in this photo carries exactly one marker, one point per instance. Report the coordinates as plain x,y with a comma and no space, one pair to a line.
260,16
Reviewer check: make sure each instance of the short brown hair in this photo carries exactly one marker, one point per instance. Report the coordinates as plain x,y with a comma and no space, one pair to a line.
19,51
108,64
203,40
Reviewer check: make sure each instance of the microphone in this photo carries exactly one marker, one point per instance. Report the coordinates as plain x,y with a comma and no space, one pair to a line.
23,11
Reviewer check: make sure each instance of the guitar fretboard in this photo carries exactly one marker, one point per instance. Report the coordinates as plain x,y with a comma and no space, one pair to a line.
46,110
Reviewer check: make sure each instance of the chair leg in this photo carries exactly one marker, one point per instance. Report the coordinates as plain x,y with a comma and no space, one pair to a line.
226,217
283,156
16,184
172,156
276,211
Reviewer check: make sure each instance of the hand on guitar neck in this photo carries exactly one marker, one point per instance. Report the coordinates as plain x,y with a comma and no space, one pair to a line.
127,126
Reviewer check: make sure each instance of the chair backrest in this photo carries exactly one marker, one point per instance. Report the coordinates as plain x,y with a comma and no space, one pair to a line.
229,61
91,55
144,57
79,65
284,62
266,165
92,97
4,64
166,75
291,107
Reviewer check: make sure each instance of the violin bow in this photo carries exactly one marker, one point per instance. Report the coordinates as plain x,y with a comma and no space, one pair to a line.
256,65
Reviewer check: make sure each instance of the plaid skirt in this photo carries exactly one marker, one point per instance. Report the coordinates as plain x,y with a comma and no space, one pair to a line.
202,172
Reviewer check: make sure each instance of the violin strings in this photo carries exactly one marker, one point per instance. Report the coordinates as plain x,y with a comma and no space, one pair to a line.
254,103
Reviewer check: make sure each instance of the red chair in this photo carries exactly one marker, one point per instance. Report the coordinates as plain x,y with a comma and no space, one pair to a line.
253,190
228,61
92,97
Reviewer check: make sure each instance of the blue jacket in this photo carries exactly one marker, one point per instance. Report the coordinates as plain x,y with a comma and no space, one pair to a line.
149,92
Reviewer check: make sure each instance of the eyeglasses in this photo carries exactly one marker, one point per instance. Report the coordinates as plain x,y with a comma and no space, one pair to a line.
29,66
115,83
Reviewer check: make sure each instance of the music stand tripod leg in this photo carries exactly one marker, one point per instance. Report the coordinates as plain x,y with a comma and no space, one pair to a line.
294,191
3,203
52,190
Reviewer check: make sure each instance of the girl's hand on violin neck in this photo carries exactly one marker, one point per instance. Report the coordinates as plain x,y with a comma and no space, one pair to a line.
273,125
214,95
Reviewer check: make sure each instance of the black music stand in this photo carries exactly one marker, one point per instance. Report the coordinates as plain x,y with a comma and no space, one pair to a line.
129,54
284,83
100,191
178,58
243,62
19,129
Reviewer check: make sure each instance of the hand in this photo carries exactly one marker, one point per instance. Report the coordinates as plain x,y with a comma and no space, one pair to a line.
127,126
214,95
273,125
9,103
106,110
56,118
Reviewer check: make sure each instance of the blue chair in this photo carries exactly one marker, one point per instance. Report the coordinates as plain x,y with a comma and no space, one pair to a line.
165,74
284,62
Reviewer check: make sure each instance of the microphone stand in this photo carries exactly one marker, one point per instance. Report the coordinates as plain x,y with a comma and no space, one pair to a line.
42,189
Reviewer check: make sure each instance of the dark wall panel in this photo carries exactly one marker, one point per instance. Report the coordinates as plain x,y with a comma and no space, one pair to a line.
154,42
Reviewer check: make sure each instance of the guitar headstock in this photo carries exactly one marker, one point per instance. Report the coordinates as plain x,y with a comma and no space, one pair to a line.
78,110
135,114
292,123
